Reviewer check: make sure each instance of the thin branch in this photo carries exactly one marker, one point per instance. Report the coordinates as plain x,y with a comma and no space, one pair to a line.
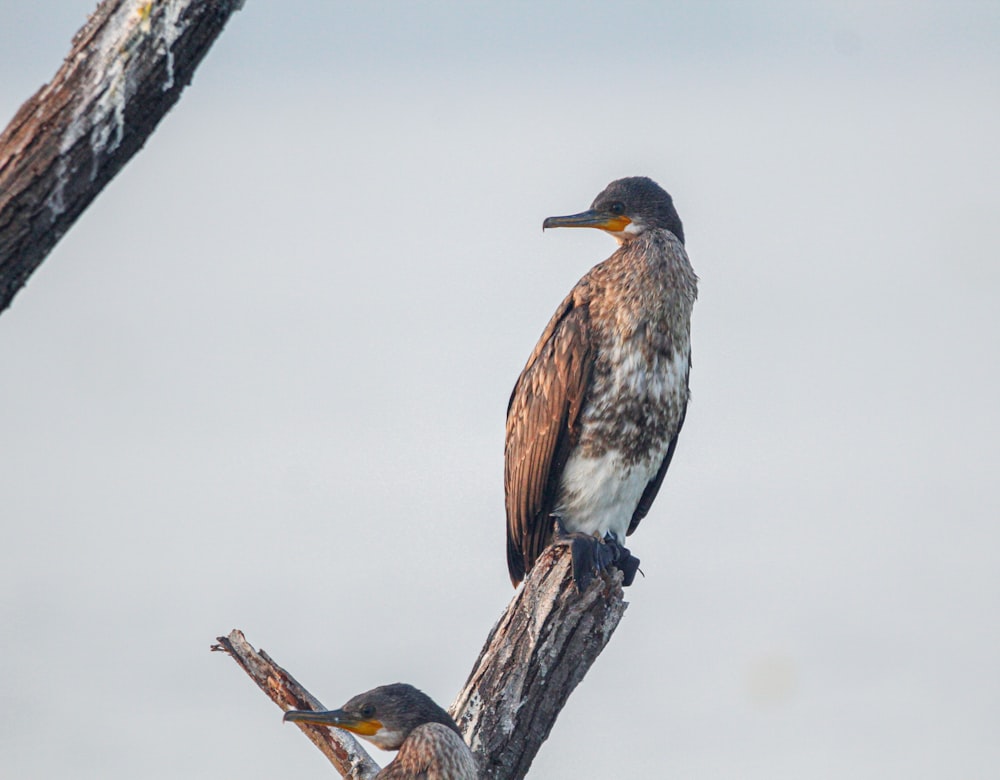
536,654
127,68
342,749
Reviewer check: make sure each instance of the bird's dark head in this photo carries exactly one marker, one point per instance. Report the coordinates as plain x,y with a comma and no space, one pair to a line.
384,716
627,208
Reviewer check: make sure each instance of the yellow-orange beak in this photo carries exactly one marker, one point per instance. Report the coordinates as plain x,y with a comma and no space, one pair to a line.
337,718
613,223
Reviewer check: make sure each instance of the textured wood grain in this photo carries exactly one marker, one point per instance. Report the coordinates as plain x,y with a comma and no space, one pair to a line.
343,750
127,68
538,652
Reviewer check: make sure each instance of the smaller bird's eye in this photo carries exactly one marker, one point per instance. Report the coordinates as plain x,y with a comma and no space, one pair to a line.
617,207
368,710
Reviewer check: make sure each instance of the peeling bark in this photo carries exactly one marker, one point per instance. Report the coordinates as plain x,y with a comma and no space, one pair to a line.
340,747
127,68
537,653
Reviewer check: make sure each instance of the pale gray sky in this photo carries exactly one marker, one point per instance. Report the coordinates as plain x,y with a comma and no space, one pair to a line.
262,383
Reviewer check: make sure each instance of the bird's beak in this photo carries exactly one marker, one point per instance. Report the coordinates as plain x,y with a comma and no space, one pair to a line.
338,718
613,223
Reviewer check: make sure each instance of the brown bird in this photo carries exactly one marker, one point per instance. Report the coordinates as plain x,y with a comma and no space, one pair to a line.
593,420
399,717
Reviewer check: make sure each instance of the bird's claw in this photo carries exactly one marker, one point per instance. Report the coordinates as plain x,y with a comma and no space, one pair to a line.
593,556
627,563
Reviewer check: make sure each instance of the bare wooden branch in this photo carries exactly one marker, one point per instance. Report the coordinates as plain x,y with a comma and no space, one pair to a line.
127,68
340,747
536,654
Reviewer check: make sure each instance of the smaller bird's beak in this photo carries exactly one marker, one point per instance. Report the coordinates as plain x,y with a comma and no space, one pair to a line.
338,718
613,223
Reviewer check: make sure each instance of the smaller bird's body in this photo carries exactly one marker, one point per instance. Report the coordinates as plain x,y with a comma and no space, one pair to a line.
432,752
400,717
594,417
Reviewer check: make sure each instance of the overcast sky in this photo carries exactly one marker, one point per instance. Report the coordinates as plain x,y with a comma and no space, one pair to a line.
262,383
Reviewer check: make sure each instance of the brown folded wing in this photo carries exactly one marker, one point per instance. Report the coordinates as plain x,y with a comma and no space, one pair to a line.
542,426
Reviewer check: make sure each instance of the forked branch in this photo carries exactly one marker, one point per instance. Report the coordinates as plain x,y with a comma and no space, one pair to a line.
536,654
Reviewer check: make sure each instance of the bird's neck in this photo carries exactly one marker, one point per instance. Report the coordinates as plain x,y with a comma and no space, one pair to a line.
647,281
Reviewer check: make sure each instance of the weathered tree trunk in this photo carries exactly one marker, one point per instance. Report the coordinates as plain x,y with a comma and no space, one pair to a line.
537,653
534,657
127,68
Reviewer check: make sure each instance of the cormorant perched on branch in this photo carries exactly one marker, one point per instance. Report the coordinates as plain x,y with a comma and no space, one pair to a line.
399,717
594,417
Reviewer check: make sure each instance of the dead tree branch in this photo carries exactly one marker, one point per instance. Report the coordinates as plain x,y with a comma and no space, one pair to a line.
342,749
536,654
127,68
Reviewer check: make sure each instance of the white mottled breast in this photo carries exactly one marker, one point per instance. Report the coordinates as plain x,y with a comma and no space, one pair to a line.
601,485
661,380
600,494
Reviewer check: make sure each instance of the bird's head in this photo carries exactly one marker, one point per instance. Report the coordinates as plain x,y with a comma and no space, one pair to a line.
626,209
384,716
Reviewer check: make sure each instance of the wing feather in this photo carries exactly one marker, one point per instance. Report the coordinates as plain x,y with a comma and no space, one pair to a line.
542,426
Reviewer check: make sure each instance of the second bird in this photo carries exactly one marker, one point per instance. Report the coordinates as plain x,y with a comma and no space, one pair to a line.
399,717
594,418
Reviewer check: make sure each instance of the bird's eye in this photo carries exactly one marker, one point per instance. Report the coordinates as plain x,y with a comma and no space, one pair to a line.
617,208
368,711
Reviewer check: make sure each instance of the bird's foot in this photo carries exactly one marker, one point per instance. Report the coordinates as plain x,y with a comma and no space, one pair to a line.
623,560
592,555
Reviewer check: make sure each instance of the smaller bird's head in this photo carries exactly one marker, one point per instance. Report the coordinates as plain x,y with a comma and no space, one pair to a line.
626,209
384,716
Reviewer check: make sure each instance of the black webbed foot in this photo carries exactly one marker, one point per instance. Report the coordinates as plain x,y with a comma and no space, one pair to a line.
592,556
623,560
